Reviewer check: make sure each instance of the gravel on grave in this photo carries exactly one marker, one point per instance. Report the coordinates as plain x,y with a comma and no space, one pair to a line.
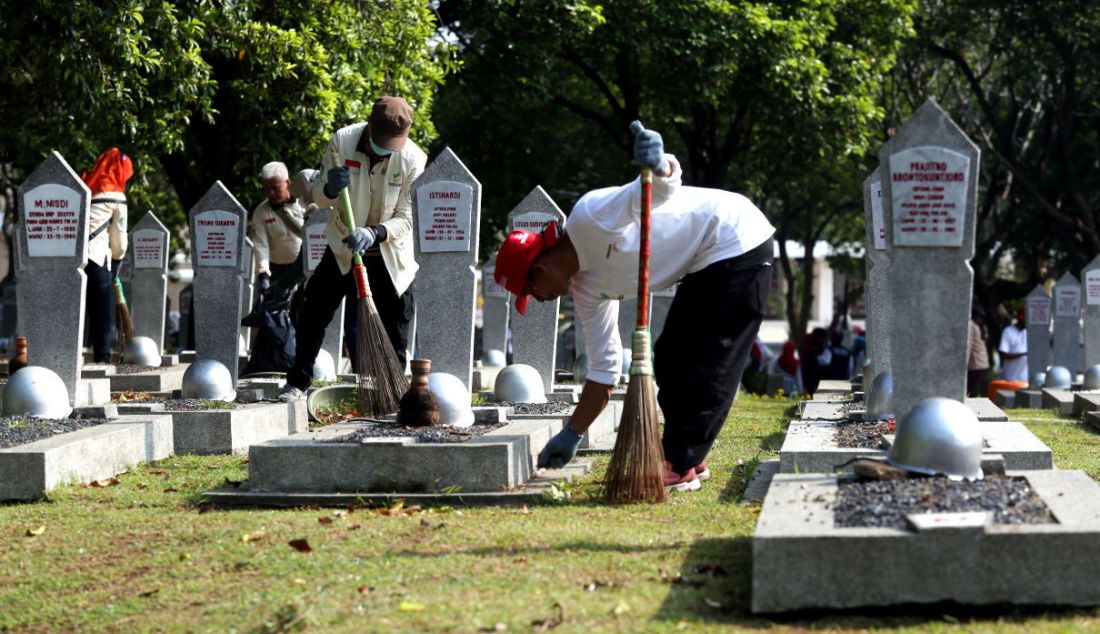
392,429
130,368
861,434
885,503
15,431
551,408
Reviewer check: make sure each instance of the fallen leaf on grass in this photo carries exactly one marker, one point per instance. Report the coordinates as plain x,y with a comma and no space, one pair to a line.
109,482
591,586
160,472
622,607
324,520
149,593
499,627
171,490
355,527
35,532
365,589
141,486
300,545
549,623
519,560
406,606
432,527
255,536
185,556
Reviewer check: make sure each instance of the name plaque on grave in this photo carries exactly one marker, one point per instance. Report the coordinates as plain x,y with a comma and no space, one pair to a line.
490,287
216,238
1038,311
51,220
148,248
444,209
532,222
316,243
1067,302
878,217
1092,286
928,187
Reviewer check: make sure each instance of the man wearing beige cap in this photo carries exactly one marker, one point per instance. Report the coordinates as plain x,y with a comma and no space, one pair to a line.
276,229
378,163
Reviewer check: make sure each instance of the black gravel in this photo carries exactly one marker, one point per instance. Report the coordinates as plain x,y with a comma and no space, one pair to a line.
885,503
438,434
551,408
860,434
20,431
853,407
129,368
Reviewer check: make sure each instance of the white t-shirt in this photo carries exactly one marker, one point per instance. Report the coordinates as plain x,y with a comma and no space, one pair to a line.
1014,341
690,229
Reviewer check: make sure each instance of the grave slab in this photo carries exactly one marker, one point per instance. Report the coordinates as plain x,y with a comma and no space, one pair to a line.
1092,419
164,379
93,392
983,408
834,387
93,453
761,480
233,431
1004,398
811,447
1029,399
801,560
1084,402
1061,401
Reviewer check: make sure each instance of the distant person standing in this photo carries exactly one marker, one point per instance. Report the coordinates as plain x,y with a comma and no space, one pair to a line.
977,366
276,228
1013,349
107,242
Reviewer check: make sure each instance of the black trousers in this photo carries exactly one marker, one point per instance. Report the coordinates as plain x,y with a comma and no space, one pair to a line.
100,317
324,290
704,348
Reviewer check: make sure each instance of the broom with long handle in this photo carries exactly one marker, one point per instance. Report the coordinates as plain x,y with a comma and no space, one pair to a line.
123,321
636,471
381,378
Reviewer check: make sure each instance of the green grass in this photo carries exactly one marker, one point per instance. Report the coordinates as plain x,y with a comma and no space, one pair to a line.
144,556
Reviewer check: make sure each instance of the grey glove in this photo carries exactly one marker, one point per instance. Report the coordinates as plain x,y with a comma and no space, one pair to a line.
360,240
649,149
560,450
338,179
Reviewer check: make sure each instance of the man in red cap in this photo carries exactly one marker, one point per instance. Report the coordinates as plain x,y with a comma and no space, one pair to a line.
715,243
378,163
107,242
1013,349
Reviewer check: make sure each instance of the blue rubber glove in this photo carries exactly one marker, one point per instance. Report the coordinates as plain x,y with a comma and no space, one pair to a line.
649,149
338,179
560,450
360,240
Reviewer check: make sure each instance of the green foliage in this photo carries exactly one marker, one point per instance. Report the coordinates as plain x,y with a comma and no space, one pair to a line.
204,91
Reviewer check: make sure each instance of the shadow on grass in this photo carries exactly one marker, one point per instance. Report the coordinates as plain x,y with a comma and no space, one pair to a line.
512,551
714,586
739,481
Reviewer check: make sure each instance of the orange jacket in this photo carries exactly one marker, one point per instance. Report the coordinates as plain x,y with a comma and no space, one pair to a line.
111,171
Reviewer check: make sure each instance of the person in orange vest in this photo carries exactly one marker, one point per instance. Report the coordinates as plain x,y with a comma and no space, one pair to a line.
107,242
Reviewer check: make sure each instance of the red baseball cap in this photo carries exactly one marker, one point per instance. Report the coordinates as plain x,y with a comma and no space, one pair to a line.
1021,313
514,260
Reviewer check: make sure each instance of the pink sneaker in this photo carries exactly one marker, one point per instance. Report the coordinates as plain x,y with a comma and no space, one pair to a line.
687,481
702,472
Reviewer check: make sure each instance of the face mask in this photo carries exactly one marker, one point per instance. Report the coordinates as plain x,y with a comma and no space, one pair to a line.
379,151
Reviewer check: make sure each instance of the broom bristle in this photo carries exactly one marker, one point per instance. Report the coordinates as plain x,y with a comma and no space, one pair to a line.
382,380
637,468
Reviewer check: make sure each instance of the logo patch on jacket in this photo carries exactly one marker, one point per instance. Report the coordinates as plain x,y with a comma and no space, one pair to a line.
352,165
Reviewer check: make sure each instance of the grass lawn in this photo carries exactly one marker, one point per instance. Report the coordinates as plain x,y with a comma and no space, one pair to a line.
141,555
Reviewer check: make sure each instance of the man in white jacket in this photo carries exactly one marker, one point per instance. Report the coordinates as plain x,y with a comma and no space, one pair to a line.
715,244
378,163
276,227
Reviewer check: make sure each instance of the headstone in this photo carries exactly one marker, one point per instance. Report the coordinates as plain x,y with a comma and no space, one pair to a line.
1090,291
535,335
877,266
494,311
187,318
1038,330
447,215
218,224
148,272
659,303
314,244
51,242
247,290
1067,322
930,192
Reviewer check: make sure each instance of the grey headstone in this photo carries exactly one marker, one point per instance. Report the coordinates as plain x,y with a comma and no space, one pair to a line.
248,261
187,318
1090,294
51,242
494,311
877,263
535,335
218,224
930,192
314,244
1038,316
660,302
148,266
447,216
1067,322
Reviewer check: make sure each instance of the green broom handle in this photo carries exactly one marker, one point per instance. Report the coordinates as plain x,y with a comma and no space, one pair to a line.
120,296
361,284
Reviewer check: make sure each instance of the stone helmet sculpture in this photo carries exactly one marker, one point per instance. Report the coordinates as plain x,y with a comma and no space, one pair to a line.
939,436
519,383
210,380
